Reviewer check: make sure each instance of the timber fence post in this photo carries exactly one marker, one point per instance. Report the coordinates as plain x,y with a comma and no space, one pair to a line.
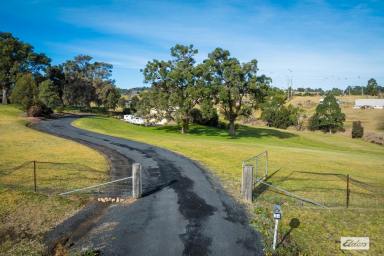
247,182
136,181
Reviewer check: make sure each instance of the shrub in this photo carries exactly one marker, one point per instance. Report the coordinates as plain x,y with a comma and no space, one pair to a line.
280,116
49,94
328,116
25,91
39,110
357,129
197,117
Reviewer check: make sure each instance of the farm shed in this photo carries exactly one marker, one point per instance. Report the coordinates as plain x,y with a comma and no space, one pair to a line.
369,103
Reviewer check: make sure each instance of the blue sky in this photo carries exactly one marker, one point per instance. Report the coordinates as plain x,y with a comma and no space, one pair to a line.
315,43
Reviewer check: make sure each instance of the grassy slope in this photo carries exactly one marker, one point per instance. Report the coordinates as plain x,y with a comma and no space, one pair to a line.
290,154
24,215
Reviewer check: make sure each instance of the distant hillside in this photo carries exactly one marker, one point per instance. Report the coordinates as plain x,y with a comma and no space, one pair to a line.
372,119
132,91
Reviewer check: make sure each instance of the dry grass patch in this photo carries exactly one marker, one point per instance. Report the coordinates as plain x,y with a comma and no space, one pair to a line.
24,215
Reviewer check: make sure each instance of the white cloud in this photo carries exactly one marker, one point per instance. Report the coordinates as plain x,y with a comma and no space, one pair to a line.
322,49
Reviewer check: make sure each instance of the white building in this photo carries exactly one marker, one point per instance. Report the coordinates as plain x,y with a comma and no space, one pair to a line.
138,120
133,119
369,103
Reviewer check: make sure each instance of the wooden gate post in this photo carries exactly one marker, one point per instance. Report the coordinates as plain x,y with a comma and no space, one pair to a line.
247,183
136,181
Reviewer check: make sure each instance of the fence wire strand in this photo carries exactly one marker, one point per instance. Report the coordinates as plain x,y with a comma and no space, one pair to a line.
58,177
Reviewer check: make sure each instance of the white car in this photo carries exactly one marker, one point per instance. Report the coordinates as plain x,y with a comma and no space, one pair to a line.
133,119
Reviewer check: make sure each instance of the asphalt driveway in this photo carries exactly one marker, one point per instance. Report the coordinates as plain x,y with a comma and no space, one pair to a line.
189,215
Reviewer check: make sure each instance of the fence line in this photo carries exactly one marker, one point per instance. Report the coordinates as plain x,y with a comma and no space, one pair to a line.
94,186
255,160
291,194
252,176
51,176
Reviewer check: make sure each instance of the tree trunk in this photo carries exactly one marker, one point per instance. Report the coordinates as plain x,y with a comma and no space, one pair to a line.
184,125
330,130
5,96
232,130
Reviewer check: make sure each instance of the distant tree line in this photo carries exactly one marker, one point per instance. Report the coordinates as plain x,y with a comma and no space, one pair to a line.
180,89
372,88
28,78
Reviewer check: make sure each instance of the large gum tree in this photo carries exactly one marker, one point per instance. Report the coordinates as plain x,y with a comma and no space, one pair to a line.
235,86
175,87
17,57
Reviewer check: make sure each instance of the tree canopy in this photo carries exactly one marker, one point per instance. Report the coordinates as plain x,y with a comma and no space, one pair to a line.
178,85
49,94
372,87
328,115
236,87
25,92
76,82
276,114
175,86
85,82
17,57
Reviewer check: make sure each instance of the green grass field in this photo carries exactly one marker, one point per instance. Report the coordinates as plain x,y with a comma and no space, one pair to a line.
25,215
299,162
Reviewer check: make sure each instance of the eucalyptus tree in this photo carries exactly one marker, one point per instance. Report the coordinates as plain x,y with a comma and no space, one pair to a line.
372,87
49,94
109,96
17,57
25,92
175,87
85,81
56,75
236,87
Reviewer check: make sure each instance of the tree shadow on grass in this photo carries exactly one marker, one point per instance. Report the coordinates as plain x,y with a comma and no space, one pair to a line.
243,131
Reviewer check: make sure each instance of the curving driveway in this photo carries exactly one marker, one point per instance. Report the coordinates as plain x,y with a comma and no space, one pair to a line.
190,216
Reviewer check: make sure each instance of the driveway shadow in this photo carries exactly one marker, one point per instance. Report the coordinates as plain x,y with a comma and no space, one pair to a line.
242,131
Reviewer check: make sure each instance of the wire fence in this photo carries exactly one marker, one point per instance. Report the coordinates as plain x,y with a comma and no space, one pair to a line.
300,188
52,178
259,164
331,190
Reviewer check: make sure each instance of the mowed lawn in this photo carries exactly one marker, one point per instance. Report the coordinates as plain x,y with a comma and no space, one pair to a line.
309,164
25,215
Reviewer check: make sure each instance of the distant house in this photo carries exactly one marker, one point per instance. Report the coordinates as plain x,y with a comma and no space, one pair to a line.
141,121
369,103
133,119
